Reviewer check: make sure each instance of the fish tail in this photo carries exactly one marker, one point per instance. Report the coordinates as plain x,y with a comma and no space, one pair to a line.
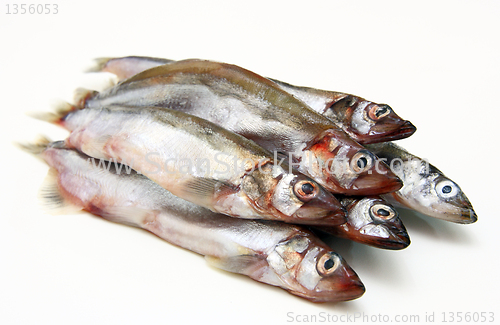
36,147
81,95
55,117
52,198
98,65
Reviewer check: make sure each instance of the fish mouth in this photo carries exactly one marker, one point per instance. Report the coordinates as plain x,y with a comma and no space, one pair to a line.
347,291
351,290
467,213
464,216
398,238
467,217
406,130
375,184
396,241
321,212
337,217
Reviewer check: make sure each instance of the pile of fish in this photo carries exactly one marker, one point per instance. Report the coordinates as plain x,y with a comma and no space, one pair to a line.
243,169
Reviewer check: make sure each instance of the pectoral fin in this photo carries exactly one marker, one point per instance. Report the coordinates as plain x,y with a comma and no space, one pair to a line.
205,190
130,215
242,264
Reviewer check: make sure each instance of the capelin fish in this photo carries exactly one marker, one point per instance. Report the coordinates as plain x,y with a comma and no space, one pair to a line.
274,253
425,188
200,162
256,108
363,120
372,221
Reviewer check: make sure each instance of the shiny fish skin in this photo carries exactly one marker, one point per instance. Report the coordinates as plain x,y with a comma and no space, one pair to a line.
258,109
270,252
425,189
167,146
372,221
363,120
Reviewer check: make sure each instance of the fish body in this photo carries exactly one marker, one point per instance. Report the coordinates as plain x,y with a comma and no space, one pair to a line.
256,108
363,120
372,221
425,188
278,254
201,162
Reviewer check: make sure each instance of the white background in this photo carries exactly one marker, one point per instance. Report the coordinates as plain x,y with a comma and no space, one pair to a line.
435,62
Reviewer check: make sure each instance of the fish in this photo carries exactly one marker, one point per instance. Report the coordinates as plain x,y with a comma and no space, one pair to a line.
200,162
256,108
363,120
274,253
425,188
372,221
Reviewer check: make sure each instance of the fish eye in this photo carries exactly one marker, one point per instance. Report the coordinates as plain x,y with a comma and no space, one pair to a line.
377,112
446,189
328,263
382,211
306,190
361,161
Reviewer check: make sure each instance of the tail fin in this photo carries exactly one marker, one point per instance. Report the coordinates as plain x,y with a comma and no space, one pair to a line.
60,111
53,200
36,147
81,96
98,65
62,108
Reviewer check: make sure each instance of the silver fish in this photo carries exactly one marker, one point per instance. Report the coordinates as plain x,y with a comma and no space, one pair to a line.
425,188
200,162
364,121
278,254
256,108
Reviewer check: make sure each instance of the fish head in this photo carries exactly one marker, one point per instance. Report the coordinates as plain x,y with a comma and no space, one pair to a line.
293,196
308,268
437,196
343,166
369,122
373,221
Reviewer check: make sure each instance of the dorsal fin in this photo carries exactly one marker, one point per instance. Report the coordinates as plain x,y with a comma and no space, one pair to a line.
190,65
